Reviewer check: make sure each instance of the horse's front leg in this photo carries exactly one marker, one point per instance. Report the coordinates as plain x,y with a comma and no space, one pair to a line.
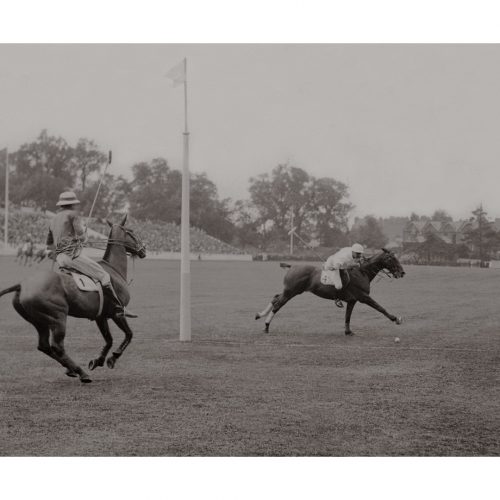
102,323
366,299
121,322
348,312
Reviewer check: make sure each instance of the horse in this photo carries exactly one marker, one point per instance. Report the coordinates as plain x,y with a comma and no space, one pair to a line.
307,278
25,252
41,254
47,298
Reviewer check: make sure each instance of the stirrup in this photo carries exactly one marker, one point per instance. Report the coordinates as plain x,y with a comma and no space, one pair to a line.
339,303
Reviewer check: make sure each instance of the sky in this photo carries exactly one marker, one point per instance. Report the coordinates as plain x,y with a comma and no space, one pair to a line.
409,128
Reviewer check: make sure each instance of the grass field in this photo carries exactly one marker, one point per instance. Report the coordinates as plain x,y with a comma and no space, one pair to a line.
305,389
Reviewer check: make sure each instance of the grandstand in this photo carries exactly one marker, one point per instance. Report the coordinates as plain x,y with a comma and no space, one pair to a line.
159,237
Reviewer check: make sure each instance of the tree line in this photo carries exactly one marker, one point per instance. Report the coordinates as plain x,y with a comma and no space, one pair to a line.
43,168
288,195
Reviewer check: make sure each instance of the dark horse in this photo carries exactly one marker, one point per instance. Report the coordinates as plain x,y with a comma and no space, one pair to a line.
306,278
47,298
41,254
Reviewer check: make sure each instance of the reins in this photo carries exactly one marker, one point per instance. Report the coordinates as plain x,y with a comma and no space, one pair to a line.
103,244
380,273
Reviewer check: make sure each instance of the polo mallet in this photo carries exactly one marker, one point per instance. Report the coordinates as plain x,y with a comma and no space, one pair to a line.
110,156
293,231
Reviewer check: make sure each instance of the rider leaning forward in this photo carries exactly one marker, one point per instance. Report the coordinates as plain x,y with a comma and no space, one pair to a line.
67,237
345,258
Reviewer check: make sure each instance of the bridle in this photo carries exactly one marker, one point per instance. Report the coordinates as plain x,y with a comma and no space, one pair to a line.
133,252
382,261
102,244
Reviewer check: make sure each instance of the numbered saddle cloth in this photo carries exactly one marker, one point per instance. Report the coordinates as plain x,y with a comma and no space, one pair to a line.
337,278
86,284
330,278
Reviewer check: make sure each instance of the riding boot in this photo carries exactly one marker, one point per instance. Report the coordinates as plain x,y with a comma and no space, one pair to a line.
118,309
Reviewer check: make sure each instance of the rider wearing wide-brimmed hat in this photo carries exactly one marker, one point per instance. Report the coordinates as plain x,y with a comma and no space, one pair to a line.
345,258
67,236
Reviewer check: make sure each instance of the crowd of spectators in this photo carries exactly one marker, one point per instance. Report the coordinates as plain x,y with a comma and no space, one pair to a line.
166,237
23,223
157,236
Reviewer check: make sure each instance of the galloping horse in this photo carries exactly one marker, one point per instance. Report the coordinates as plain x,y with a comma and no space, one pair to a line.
41,254
47,298
307,278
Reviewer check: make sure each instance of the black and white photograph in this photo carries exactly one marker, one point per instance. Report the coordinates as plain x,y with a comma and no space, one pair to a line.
249,250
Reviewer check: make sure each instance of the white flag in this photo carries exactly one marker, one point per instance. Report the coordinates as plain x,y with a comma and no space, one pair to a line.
177,74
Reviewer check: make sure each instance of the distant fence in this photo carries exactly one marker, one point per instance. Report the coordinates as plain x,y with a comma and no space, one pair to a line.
199,256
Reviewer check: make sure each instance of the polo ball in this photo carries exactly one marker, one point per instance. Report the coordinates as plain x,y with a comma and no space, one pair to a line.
396,340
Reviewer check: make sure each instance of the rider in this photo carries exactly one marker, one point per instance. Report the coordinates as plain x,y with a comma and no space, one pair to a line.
67,236
28,243
345,258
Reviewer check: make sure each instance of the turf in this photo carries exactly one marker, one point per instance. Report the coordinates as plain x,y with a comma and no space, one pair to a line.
305,389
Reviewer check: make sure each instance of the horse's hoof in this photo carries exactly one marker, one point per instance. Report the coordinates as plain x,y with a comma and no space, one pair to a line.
70,373
85,379
349,333
111,362
94,363
257,316
399,320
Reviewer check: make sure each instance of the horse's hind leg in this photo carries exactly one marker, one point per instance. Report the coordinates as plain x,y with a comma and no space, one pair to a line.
44,346
57,345
268,308
43,333
123,325
102,323
276,304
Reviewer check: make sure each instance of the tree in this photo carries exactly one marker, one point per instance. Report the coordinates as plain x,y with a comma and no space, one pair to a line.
369,233
155,191
155,194
249,231
441,215
482,238
287,189
86,160
316,205
111,199
415,217
329,210
48,154
207,211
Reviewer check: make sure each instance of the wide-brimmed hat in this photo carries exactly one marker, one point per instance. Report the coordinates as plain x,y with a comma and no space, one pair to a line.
67,198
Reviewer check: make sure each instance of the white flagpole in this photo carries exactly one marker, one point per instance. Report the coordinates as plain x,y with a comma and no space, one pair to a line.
6,222
185,302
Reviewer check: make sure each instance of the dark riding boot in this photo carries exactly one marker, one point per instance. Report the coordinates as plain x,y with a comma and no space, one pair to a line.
118,309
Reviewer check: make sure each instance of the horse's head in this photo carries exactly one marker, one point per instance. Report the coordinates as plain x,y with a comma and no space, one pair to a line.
124,236
391,263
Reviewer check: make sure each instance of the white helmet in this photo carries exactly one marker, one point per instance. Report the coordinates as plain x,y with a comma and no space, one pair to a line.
357,248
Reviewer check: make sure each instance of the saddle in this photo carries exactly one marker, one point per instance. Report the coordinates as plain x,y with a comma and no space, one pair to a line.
86,284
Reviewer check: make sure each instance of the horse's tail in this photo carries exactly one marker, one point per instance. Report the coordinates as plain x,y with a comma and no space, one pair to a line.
284,265
15,288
